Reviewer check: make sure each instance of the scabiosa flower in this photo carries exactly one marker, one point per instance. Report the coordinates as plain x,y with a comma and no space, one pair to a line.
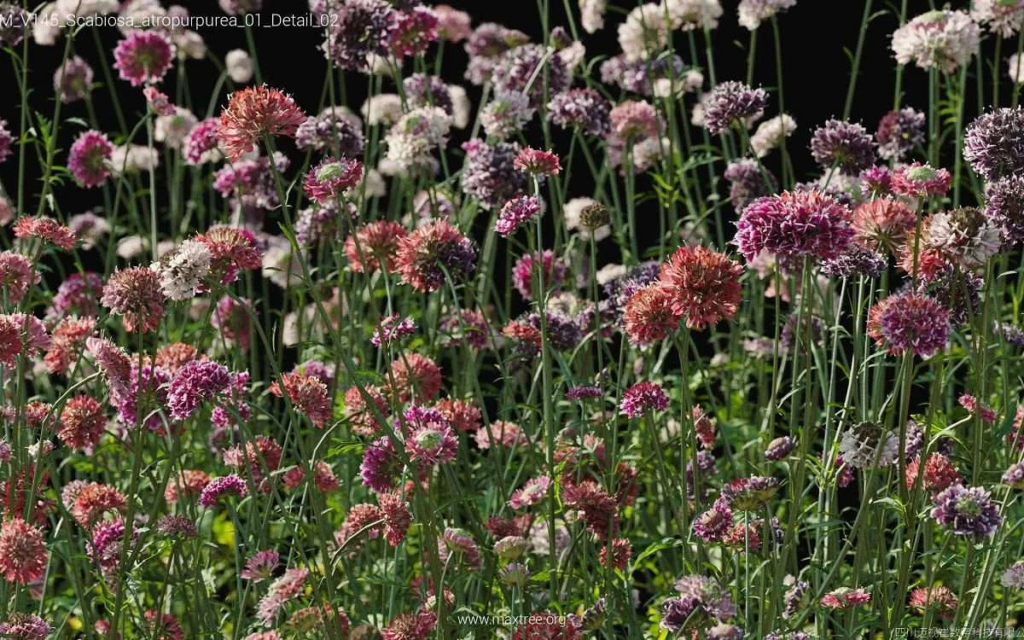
1014,476
945,40
517,212
25,626
883,224
359,29
531,70
432,443
1013,578
633,120
423,253
82,422
89,159
963,235
240,7
748,182
232,249
793,225
417,28
703,285
260,565
855,261
135,294
381,466
392,328
453,25
254,112
530,493
144,57
336,130
771,133
845,145
413,376
459,545
899,132
908,321
281,591
488,175
643,397
753,12
183,270
308,394
329,179
22,552
845,598
920,180
779,448
585,110
968,511
374,245
749,494
650,316
940,599
13,24
713,524
867,445
193,383
553,269
506,115
72,81
410,626
939,473
701,601
1005,207
397,518
219,487
537,163
16,275
1004,17
200,145
360,416
501,434
730,103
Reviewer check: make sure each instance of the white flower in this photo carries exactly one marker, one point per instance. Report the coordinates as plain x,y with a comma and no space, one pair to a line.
1016,67
1004,17
573,55
46,26
183,270
753,12
172,130
972,240
384,108
645,32
461,106
189,45
592,14
610,272
771,132
694,14
945,40
128,159
280,265
239,66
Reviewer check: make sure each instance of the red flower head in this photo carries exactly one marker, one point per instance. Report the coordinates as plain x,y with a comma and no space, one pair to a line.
254,112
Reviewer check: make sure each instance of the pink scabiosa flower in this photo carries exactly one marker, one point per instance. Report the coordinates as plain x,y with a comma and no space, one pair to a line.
397,518
939,599
463,415
89,159
944,40
45,229
423,253
308,394
650,316
714,524
22,552
193,383
25,626
972,405
530,493
537,163
219,487
432,443
374,246
457,545
159,102
144,57
72,81
555,272
254,112
190,482
360,416
703,285
381,466
391,329
82,423
920,180
643,397
21,335
90,502
6,141
517,212
260,565
329,179
281,591
410,626
135,295
488,175
939,473
413,377
453,25
845,598
882,224
16,276
909,321
794,224
616,555
501,433
417,28
200,146
231,250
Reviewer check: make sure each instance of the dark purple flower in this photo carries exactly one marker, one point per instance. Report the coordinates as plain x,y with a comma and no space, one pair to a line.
730,103
994,144
899,132
844,145
968,511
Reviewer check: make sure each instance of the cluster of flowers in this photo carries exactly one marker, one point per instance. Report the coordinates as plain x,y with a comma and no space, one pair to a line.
370,395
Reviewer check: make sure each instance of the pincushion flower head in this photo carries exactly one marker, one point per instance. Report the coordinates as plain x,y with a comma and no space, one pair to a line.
845,145
537,163
519,69
963,235
967,511
1004,17
794,224
703,285
899,132
89,159
650,316
143,57
183,270
488,174
753,12
1004,207
732,103
374,246
945,40
332,177
701,601
136,295
909,322
22,552
254,112
307,394
772,133
920,180
583,109
360,29
994,143
516,213
883,224
749,494
643,397
428,252
868,445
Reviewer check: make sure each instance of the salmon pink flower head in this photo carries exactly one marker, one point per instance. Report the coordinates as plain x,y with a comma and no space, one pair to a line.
308,394
22,552
794,224
703,285
329,179
426,254
254,112
135,294
649,316
920,180
643,397
144,57
845,598
537,162
89,159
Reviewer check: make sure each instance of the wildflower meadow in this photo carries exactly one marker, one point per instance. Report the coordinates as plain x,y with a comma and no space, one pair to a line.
544,319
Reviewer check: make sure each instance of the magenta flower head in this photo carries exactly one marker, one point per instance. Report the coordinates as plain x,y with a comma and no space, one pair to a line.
195,382
920,180
968,511
537,163
158,101
643,397
517,212
329,179
144,57
219,487
909,321
254,112
730,103
794,224
89,159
